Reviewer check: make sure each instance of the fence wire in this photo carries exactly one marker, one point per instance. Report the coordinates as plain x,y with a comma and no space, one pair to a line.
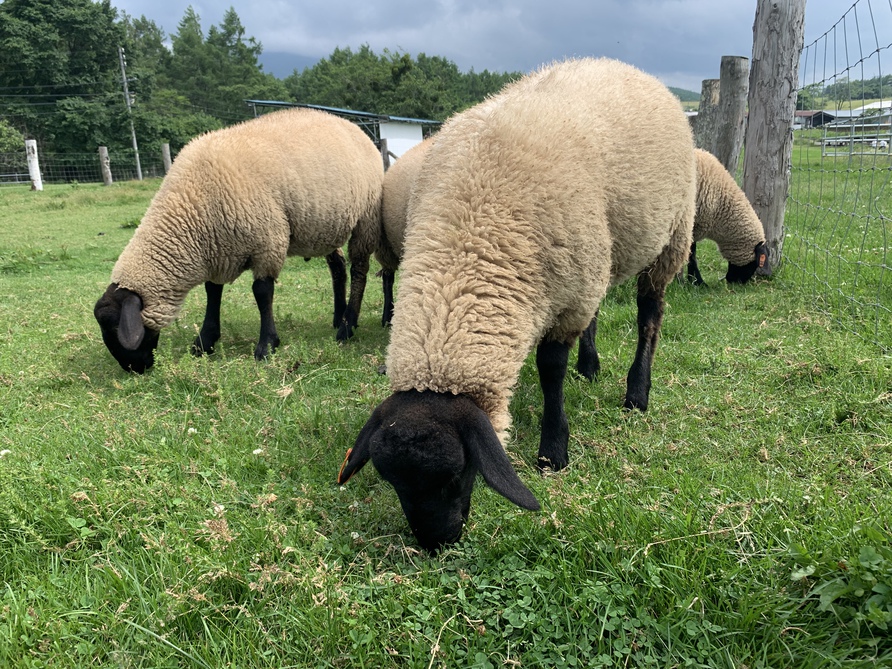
837,219
76,167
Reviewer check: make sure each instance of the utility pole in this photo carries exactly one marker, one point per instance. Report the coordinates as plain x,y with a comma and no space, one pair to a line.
129,112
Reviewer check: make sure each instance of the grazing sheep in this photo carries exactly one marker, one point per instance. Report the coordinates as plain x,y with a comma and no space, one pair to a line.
294,182
725,216
527,208
398,183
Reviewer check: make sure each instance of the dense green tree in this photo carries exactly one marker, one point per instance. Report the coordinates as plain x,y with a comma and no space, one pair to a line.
10,139
392,83
219,72
57,56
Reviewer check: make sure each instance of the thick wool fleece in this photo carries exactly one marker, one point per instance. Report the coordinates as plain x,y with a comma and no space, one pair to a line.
398,183
724,214
293,182
528,206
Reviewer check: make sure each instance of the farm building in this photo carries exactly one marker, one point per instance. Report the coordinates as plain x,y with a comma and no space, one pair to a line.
399,133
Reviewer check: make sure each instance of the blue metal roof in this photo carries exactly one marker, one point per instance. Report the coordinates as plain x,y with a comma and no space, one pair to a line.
344,112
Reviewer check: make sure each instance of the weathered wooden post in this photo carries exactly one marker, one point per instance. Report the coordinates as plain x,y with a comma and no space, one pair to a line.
105,165
778,35
734,85
707,115
385,154
33,164
165,156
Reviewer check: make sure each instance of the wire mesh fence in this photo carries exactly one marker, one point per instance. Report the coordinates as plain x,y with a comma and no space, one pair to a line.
76,167
837,219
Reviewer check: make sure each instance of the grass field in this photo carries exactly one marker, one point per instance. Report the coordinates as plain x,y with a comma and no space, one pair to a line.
189,517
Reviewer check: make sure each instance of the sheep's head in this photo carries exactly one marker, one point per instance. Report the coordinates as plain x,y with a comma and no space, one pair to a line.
130,342
429,446
743,273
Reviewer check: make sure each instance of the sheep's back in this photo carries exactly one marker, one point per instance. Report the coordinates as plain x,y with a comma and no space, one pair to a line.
293,182
398,183
570,179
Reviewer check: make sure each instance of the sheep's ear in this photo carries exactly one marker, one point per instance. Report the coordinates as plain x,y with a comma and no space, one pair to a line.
492,462
131,329
360,453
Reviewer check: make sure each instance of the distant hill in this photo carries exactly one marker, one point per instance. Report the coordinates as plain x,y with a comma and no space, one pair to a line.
281,64
685,96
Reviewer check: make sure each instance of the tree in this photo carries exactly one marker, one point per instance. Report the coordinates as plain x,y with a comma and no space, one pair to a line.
57,55
219,72
393,83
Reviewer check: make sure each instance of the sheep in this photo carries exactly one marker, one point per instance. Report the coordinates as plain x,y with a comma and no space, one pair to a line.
398,183
723,215
527,208
293,182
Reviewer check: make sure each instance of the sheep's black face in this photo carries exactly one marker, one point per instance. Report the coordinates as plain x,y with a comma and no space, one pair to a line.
426,464
743,273
429,446
127,339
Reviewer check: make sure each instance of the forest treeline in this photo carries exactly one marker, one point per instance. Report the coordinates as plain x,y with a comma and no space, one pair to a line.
61,79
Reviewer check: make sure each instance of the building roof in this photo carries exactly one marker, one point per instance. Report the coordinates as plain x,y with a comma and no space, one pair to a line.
370,116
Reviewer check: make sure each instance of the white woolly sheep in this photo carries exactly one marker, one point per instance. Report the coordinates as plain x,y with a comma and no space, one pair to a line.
294,182
527,208
723,215
398,183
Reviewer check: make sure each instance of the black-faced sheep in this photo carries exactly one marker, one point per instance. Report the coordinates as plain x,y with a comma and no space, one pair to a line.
398,183
294,182
725,216
527,208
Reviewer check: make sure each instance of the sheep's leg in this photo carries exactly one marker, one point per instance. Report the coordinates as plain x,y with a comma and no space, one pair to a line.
359,269
338,268
650,319
551,361
388,278
587,363
263,290
210,328
694,276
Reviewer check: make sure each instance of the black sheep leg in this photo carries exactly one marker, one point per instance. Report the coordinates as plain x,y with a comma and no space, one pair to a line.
263,290
694,275
587,363
551,361
210,328
650,319
337,266
359,269
388,278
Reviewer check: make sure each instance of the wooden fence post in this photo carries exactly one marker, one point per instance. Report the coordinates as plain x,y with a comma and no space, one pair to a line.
385,154
165,156
778,35
707,115
105,165
734,85
33,164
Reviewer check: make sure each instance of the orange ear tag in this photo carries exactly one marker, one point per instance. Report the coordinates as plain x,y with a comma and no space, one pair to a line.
761,260
343,466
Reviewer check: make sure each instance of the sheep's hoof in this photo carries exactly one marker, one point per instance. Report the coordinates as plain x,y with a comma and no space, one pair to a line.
265,349
345,331
553,463
632,403
588,371
199,350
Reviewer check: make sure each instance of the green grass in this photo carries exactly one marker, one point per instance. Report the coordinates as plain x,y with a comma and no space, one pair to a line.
190,517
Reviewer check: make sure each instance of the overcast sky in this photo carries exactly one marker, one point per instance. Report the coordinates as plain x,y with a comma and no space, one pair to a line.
679,41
